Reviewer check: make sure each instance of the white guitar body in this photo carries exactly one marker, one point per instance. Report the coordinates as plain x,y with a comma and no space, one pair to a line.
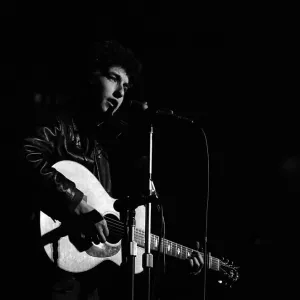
69,258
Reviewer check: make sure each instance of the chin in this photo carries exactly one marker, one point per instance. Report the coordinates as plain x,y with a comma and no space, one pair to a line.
103,109
109,111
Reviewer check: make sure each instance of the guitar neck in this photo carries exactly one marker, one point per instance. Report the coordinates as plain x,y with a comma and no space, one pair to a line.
173,249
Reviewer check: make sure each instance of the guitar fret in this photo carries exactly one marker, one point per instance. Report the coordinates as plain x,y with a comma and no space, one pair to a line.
215,264
185,252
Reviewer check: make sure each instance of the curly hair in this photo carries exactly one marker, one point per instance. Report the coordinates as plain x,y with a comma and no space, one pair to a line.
104,55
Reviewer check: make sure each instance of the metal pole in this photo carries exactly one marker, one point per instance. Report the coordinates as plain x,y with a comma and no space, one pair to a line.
148,257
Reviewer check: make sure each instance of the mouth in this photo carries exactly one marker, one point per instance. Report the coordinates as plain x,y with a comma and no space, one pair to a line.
113,103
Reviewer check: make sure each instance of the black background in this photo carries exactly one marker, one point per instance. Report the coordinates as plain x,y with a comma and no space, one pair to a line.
240,94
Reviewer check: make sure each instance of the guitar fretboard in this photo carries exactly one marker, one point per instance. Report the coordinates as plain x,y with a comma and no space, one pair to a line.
173,249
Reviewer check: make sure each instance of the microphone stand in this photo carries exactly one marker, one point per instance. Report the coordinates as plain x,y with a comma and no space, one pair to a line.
132,250
147,256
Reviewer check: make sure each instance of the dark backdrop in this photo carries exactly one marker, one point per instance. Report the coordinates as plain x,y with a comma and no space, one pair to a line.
240,99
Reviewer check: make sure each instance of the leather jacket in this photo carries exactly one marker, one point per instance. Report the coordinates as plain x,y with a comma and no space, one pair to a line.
65,137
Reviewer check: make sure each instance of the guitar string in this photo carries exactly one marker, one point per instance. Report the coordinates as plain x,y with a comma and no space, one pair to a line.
171,247
118,228
184,253
121,230
138,232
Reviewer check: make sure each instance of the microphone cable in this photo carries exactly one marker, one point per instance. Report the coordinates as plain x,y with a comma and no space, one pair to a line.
206,262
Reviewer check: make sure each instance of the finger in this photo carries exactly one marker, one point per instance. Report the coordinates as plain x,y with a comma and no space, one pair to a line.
105,228
200,257
101,234
196,263
191,263
103,225
198,267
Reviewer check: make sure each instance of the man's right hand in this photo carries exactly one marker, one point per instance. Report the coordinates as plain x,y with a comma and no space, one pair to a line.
92,225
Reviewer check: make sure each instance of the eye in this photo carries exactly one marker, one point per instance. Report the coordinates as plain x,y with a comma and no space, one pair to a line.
111,77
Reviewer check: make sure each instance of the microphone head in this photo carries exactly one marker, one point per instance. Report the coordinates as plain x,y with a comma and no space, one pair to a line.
138,105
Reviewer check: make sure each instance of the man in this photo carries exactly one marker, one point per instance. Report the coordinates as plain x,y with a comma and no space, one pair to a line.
88,137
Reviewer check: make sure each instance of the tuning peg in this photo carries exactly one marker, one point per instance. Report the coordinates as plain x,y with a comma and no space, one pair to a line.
222,282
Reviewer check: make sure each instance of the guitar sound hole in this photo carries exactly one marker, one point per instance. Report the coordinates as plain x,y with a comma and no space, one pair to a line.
116,228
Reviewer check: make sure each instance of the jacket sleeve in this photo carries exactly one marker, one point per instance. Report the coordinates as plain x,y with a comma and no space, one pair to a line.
57,195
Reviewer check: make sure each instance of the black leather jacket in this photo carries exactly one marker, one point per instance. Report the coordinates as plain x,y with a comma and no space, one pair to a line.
64,138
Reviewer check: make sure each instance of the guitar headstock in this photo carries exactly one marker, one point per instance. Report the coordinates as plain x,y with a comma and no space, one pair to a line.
229,271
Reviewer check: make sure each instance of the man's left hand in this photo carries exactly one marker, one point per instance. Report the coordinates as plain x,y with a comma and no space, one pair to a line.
196,261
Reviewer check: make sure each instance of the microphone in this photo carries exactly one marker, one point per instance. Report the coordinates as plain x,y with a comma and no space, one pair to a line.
138,106
132,202
169,112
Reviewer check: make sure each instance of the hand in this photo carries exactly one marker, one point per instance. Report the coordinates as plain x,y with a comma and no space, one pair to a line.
90,227
196,261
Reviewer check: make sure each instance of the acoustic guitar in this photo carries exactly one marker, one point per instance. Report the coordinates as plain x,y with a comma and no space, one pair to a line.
68,258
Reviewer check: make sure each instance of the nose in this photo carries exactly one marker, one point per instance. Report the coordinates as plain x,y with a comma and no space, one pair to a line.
119,92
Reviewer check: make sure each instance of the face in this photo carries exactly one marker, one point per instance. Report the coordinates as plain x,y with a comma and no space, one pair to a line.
110,88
